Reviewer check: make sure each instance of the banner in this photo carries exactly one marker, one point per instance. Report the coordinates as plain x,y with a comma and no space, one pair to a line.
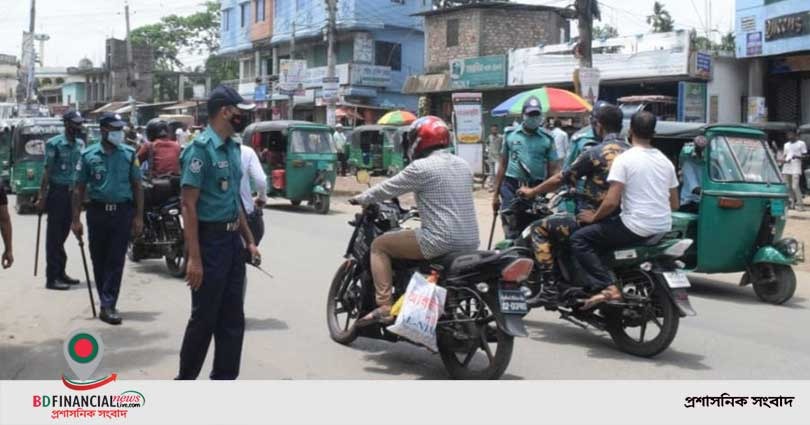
589,84
292,74
467,112
757,111
478,72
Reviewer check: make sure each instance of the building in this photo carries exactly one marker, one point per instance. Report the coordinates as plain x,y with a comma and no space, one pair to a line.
467,49
378,45
8,77
109,82
773,37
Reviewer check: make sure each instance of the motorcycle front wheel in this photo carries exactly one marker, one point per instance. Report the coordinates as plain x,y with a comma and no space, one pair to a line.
342,304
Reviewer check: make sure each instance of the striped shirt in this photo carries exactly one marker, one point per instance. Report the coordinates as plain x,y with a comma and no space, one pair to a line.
443,185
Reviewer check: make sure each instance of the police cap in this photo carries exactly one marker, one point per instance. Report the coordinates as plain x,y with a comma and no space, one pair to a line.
111,119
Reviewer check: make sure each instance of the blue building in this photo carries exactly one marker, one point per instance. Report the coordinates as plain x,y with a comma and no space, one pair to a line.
378,45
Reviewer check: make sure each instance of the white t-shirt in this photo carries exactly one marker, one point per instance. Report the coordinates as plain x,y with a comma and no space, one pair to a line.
251,170
560,142
793,157
648,177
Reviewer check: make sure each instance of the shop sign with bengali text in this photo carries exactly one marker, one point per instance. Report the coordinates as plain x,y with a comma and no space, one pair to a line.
478,72
467,112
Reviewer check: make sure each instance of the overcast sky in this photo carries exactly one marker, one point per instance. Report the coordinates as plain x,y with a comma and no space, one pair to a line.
78,28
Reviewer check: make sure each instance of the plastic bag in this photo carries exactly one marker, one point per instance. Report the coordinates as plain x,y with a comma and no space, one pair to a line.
433,278
423,304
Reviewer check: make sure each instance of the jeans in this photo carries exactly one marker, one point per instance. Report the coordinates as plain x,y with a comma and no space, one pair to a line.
591,241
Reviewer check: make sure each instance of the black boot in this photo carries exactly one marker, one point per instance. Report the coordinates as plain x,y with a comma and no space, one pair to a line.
110,315
57,285
69,280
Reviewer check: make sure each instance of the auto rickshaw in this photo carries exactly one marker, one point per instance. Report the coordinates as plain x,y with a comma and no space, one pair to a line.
377,149
28,158
299,158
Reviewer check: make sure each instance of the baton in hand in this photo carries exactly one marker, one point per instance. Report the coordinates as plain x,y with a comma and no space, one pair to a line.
87,276
36,252
492,229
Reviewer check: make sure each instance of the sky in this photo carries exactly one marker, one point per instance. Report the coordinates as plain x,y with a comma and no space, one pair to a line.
79,31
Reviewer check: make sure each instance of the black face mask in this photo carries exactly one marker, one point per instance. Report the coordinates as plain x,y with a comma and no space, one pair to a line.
239,122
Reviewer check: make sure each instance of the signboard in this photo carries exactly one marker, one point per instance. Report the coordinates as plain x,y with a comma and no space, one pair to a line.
748,23
753,43
478,72
702,65
785,26
692,102
291,76
199,91
330,89
369,75
260,93
314,76
363,48
589,84
467,113
757,111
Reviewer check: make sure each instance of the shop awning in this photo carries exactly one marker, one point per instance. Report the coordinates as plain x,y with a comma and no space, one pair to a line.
184,105
428,83
110,107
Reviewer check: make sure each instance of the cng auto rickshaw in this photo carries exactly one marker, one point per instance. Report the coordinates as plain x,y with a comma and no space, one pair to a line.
377,149
300,159
28,158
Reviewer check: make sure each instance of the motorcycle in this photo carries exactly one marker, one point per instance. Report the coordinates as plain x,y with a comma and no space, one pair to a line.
484,307
650,276
162,235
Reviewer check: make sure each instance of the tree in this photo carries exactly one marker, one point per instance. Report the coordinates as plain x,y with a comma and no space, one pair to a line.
660,20
727,43
699,42
605,31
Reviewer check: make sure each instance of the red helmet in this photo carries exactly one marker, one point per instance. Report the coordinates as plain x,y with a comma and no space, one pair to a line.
426,134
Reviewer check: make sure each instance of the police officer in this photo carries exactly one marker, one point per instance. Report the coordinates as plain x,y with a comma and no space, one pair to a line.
216,234
62,153
528,156
110,172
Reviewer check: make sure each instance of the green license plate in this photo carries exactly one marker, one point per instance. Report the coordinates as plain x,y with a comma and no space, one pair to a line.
778,207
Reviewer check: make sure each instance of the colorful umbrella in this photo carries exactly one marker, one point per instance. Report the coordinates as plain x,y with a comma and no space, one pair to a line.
552,101
397,118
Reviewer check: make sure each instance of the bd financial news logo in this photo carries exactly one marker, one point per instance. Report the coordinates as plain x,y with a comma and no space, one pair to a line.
83,350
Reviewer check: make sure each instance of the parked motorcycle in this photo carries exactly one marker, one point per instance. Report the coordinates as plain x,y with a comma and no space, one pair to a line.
484,307
162,235
650,276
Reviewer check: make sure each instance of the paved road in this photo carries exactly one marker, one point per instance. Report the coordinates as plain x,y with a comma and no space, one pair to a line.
733,337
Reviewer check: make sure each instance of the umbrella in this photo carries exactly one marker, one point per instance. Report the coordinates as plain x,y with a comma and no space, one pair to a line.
555,101
397,118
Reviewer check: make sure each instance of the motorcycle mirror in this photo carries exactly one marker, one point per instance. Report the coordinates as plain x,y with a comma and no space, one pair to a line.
363,177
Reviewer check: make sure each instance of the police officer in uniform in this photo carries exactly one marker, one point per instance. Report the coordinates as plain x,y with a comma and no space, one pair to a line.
217,235
62,153
110,173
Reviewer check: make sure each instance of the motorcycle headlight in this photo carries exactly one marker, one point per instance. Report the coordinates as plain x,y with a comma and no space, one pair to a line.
788,246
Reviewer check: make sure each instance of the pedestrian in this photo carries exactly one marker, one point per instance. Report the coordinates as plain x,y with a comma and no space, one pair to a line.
5,229
340,144
792,169
213,223
62,153
560,139
528,155
110,173
494,144
252,171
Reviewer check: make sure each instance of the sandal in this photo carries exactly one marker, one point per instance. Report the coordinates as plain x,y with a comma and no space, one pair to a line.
611,293
380,315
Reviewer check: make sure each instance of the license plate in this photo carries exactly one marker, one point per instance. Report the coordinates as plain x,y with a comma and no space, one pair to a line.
512,302
677,279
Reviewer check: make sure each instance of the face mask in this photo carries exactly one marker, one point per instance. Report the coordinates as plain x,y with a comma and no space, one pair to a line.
239,123
116,137
531,122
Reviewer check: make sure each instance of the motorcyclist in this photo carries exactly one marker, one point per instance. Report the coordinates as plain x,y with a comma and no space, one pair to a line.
443,186
585,138
162,154
593,166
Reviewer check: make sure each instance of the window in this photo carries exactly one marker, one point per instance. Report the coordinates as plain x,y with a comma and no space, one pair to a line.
452,32
388,54
259,11
226,19
739,159
243,14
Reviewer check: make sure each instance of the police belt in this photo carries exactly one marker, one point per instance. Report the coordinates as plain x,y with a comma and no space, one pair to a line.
215,226
108,206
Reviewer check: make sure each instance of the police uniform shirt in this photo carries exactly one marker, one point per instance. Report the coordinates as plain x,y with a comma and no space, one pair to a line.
535,149
61,158
213,166
108,176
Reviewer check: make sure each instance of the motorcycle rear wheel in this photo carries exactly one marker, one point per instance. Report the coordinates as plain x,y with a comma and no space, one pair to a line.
176,264
337,305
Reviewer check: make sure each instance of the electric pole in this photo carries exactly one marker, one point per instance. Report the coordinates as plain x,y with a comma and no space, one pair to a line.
331,10
29,83
133,116
585,26
291,106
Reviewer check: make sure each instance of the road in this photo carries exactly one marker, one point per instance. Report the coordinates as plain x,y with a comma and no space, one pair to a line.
734,335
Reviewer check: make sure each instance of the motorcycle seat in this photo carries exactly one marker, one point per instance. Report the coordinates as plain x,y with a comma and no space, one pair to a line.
452,263
653,240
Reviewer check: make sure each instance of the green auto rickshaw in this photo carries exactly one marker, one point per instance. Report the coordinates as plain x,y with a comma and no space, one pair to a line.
28,158
299,158
741,212
379,149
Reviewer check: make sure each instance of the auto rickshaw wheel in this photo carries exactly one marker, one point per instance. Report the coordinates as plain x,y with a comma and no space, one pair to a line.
778,289
321,204
296,202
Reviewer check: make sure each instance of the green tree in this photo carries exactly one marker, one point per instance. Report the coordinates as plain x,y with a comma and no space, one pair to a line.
700,42
727,43
605,31
660,20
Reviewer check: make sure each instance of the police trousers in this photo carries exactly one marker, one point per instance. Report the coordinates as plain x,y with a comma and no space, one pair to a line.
217,308
108,230
59,218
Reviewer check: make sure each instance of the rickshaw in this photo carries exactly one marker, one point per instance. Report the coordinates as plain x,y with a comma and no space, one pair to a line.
28,158
300,160
377,149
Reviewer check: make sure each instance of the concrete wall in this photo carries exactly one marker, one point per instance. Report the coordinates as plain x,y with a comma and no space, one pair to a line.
263,29
235,37
729,83
73,93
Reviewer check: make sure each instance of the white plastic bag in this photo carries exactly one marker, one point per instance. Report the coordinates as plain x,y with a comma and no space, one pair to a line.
424,303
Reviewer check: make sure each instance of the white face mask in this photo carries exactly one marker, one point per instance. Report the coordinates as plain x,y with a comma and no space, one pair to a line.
116,137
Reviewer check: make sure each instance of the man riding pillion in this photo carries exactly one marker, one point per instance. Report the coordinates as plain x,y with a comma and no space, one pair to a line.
159,152
644,183
528,156
62,153
591,169
443,185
